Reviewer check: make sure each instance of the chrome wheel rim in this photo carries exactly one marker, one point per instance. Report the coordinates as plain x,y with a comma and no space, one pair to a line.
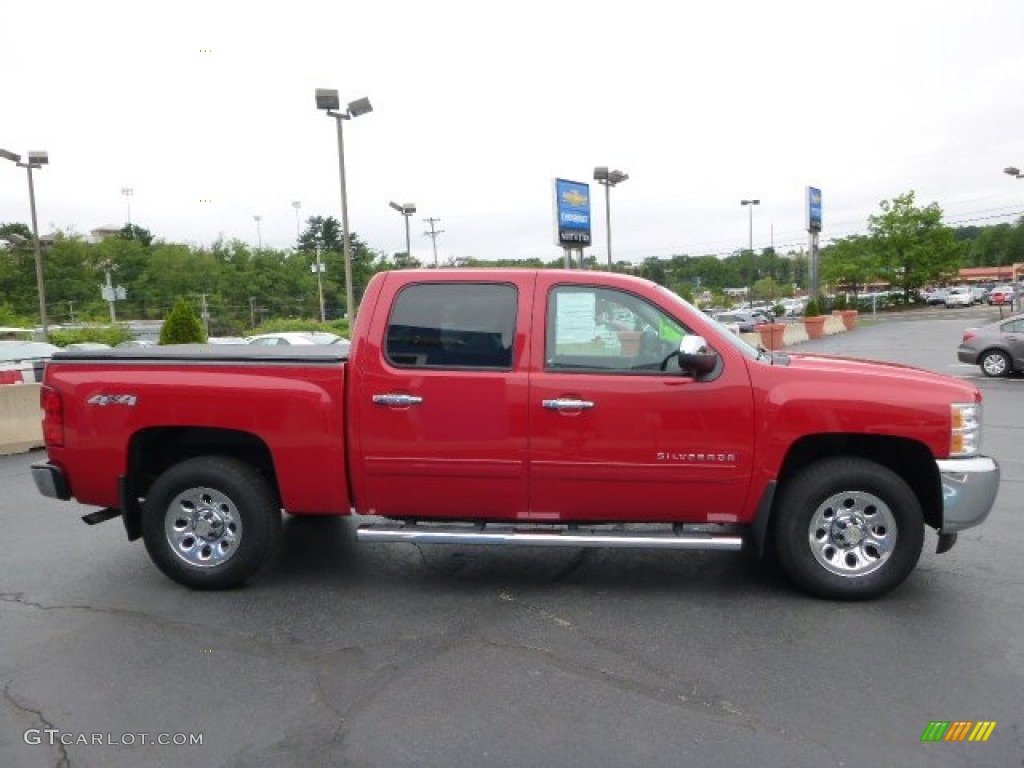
203,527
994,365
852,533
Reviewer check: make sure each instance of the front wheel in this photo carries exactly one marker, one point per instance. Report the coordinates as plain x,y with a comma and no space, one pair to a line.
211,522
848,529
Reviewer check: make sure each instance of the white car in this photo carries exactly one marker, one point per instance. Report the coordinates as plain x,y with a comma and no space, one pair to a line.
22,361
960,296
297,338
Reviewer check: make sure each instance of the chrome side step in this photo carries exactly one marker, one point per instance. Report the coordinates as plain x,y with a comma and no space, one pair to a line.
545,537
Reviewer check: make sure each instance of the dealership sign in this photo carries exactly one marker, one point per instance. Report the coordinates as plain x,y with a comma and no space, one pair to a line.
813,209
572,213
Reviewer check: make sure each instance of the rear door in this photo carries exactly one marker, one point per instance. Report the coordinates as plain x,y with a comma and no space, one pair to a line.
439,400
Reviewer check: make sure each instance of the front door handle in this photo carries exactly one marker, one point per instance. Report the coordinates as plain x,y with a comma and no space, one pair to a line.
567,404
400,400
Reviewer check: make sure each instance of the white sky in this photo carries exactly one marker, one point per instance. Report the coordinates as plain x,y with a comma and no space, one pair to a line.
477,106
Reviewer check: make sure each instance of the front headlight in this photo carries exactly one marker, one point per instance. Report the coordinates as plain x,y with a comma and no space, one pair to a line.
965,432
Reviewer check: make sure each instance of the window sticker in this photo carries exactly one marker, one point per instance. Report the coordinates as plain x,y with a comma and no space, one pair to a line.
575,317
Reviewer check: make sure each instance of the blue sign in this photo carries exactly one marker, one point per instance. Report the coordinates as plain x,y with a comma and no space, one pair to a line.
813,209
572,213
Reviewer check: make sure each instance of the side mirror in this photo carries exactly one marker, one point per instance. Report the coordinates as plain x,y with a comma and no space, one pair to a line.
696,355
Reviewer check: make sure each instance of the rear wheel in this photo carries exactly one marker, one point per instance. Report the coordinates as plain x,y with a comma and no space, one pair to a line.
995,363
211,522
848,529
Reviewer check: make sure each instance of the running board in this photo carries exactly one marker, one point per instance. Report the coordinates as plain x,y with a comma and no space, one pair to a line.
530,537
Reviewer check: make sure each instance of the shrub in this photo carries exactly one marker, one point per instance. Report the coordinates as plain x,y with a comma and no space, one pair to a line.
182,326
109,334
813,309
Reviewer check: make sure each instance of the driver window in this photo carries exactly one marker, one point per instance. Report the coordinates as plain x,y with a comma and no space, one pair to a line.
601,329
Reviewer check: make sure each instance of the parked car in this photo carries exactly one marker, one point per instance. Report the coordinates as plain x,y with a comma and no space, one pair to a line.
23,361
737,322
935,297
959,297
88,346
226,340
979,293
285,338
997,348
136,343
1002,294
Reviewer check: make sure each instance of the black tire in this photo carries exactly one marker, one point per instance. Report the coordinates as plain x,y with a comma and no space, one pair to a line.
847,529
995,363
211,522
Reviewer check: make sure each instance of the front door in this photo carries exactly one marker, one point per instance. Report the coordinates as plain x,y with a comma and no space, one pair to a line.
613,437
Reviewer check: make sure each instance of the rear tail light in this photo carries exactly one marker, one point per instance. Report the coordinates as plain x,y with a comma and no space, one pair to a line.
53,416
968,336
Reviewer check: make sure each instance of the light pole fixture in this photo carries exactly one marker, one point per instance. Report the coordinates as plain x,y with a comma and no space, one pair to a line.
609,179
407,210
36,160
259,233
327,99
1013,171
296,205
319,267
128,192
751,203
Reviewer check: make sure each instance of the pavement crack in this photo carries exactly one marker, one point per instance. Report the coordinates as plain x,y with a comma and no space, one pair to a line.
63,761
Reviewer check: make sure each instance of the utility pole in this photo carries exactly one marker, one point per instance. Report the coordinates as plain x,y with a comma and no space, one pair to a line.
206,316
433,235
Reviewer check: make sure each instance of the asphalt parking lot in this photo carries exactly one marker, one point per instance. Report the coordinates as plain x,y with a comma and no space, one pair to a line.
390,655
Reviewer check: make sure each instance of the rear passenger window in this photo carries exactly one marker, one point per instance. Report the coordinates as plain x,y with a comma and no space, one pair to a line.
453,325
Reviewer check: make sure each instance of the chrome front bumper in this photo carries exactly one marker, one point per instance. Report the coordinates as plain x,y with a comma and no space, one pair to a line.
969,488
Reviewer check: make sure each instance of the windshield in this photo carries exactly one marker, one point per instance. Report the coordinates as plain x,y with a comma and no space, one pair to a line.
722,332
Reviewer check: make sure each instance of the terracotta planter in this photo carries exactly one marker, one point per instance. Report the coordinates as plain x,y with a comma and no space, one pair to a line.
814,326
849,318
771,335
630,341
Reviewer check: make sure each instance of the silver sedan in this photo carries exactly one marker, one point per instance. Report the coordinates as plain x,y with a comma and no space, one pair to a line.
997,348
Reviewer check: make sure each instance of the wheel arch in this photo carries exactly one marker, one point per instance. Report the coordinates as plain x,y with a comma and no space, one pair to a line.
152,451
909,459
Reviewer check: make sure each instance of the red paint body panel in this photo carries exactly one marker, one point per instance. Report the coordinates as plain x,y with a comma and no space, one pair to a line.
297,412
479,445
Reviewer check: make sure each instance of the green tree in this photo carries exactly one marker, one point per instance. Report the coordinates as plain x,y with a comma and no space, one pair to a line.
914,247
182,326
850,263
322,231
135,232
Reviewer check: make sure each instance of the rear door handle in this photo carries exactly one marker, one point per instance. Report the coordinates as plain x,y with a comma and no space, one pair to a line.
567,404
396,399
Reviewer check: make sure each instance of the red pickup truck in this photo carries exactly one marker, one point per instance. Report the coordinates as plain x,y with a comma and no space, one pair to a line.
536,407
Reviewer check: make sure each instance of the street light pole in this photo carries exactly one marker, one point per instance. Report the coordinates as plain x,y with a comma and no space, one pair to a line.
259,233
751,203
327,99
36,160
609,179
128,192
319,268
296,205
406,210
